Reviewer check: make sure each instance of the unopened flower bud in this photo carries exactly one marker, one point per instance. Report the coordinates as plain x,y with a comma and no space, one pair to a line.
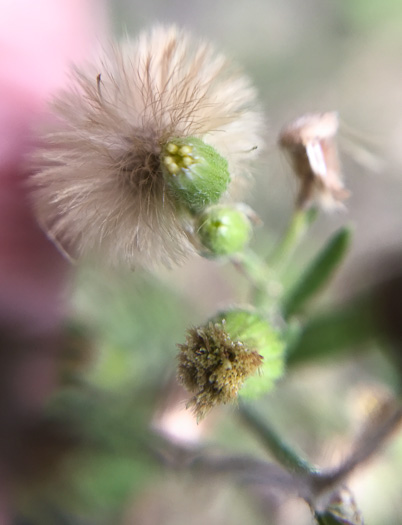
195,172
224,230
218,358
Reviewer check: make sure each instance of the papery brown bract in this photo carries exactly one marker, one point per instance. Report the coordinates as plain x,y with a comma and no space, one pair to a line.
310,142
99,185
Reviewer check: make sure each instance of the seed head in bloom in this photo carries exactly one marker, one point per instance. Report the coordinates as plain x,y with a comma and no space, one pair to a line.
310,143
213,366
102,184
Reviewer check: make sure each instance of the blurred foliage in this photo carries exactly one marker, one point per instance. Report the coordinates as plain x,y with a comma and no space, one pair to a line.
133,322
137,316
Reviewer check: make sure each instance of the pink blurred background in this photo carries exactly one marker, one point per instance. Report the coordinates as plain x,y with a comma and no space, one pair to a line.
38,41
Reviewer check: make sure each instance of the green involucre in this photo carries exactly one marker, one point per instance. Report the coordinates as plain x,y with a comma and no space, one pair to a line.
195,172
257,334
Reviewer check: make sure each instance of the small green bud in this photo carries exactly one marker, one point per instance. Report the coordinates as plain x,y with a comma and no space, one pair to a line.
195,172
224,230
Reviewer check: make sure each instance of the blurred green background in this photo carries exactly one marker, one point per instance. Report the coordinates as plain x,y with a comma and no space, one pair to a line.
309,56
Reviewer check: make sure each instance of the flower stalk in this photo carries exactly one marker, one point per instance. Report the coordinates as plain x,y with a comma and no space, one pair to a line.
297,228
280,450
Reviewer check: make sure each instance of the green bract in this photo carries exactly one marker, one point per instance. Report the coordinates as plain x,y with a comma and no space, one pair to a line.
224,230
195,172
256,334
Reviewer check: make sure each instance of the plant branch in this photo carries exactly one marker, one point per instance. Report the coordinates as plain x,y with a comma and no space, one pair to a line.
298,226
279,449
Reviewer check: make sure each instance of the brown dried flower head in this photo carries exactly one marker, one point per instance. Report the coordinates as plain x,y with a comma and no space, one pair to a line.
310,142
99,187
213,366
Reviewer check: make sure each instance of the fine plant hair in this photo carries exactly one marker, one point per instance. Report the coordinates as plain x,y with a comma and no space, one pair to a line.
99,185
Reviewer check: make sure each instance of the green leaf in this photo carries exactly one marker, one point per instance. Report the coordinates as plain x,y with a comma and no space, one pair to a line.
333,332
318,273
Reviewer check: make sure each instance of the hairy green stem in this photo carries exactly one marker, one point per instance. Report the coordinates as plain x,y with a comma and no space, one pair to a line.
279,449
298,225
264,285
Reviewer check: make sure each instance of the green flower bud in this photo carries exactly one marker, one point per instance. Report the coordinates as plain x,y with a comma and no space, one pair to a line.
255,332
195,172
224,230
218,358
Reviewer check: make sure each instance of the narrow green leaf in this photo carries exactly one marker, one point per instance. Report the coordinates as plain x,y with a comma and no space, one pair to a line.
318,273
334,332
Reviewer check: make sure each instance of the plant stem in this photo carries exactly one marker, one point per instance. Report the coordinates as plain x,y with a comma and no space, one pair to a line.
265,285
298,225
280,450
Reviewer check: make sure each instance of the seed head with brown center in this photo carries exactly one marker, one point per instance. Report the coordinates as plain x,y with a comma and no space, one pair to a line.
214,367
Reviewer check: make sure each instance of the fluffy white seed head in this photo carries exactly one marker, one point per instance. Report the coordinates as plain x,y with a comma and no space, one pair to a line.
99,187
